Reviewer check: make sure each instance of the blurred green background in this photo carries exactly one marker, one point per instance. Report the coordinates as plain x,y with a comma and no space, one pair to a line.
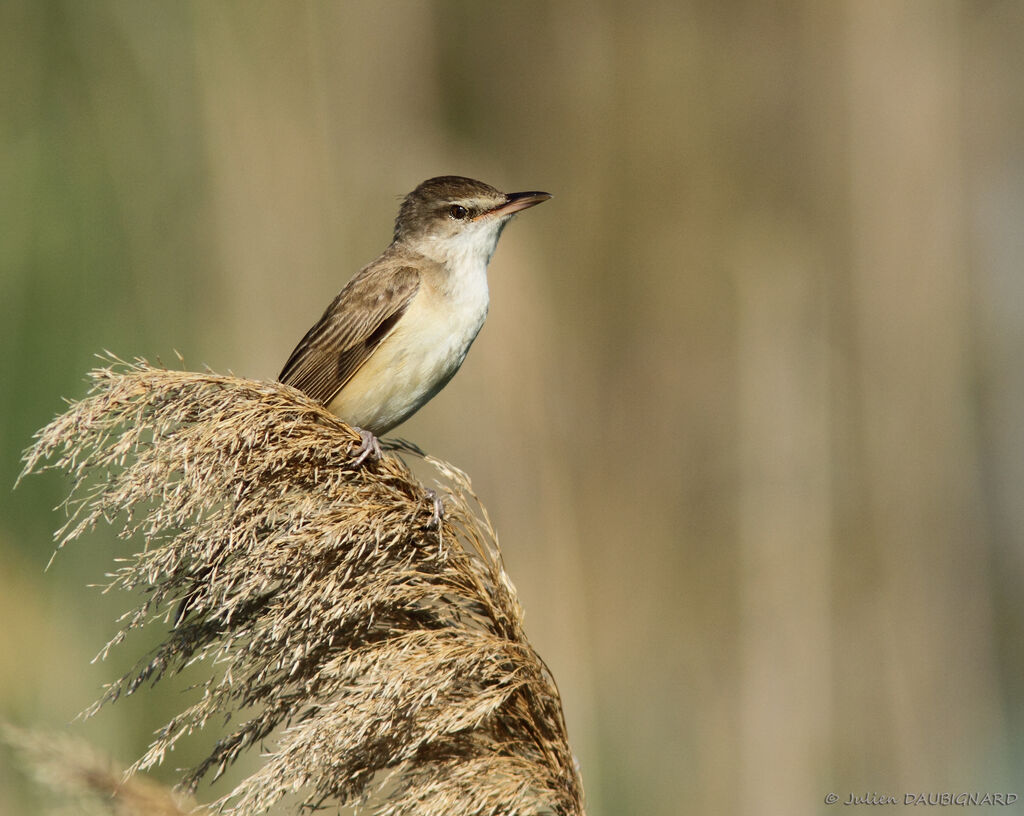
748,411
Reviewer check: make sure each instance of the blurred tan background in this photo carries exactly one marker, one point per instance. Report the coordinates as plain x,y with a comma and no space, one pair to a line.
748,411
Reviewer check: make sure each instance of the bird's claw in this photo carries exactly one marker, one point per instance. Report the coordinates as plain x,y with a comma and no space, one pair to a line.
435,518
369,447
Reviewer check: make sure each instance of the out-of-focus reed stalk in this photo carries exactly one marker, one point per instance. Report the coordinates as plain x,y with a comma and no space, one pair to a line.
381,656
93,783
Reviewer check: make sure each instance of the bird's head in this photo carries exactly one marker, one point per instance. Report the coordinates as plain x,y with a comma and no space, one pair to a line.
451,218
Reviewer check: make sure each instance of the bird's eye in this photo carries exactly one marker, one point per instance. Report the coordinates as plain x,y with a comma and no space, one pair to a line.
458,212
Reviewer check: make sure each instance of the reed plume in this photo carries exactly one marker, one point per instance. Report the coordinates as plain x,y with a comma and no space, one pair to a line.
379,654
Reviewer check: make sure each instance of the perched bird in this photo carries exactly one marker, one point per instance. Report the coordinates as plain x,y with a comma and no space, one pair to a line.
400,329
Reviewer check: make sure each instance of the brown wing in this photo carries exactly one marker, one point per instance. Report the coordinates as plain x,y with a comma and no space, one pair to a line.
355,323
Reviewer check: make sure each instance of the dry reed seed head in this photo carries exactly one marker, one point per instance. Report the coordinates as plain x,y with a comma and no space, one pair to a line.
365,645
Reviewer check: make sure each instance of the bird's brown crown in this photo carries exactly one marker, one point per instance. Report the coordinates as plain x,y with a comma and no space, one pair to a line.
432,200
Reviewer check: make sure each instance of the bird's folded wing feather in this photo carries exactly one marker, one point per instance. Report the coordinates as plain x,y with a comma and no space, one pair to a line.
354,325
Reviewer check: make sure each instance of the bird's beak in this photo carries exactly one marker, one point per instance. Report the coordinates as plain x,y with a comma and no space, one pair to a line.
514,202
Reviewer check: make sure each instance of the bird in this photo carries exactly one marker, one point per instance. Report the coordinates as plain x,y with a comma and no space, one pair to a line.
402,326
400,329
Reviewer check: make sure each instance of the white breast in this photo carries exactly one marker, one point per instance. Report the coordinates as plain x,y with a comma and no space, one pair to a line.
423,352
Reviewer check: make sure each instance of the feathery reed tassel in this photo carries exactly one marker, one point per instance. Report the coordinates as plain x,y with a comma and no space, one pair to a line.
383,656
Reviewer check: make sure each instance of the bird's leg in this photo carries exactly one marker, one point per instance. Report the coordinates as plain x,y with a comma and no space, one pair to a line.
370,447
438,514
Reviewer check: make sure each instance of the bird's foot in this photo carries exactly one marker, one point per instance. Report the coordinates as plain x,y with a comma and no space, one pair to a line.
370,447
438,514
